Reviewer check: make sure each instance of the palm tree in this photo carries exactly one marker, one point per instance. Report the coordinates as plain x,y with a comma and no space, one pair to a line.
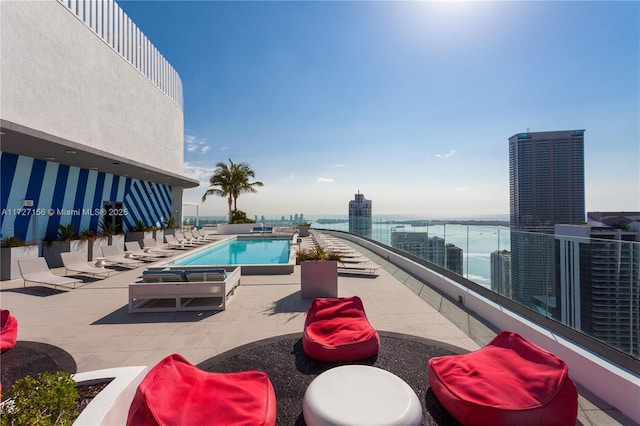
241,184
220,184
230,181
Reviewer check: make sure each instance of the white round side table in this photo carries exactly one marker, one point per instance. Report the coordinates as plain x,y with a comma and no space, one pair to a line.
360,395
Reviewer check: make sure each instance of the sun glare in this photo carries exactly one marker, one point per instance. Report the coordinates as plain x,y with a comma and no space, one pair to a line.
446,23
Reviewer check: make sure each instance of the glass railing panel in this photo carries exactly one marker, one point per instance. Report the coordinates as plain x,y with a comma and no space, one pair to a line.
591,285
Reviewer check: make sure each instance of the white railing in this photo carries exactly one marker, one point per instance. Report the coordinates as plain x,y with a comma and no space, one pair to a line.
114,27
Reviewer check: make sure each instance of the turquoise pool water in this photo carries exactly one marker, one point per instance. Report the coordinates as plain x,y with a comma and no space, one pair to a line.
258,251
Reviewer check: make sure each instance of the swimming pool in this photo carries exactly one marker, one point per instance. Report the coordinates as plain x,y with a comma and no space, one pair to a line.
258,253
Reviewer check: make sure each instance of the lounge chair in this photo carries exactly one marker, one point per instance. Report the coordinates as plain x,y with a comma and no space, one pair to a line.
367,268
173,242
74,262
354,259
113,255
343,251
37,271
194,239
181,238
333,245
134,249
151,245
208,237
262,230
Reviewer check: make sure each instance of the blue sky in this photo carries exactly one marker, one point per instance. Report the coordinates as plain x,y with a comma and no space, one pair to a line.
410,103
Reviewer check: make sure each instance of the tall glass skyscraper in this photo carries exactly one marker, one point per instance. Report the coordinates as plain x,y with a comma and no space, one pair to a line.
360,219
546,187
598,276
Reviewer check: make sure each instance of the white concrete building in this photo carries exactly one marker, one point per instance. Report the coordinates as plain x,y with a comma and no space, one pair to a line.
91,120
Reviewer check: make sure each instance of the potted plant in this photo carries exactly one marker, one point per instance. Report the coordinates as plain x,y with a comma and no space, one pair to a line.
170,223
139,232
67,240
318,272
169,228
49,398
108,229
94,241
303,229
98,397
11,250
157,233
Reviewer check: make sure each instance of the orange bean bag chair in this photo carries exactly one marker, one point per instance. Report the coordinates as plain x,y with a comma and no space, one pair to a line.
175,392
8,330
511,381
337,330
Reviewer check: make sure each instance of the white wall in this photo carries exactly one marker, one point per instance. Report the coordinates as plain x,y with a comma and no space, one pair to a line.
59,77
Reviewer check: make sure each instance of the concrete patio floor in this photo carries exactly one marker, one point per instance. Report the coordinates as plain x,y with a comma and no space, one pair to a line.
92,323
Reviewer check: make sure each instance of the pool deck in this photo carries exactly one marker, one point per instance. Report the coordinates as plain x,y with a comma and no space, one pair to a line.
91,322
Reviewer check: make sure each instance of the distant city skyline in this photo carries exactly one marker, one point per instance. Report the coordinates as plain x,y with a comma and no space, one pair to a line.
411,103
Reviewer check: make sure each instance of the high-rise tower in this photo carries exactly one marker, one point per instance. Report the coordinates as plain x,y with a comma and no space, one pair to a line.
546,187
360,216
598,278
501,272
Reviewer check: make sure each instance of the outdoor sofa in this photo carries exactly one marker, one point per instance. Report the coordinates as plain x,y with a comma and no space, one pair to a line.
171,290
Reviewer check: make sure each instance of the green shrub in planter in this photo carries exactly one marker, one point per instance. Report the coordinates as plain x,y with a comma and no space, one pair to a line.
107,228
139,226
48,399
7,242
318,253
170,223
87,234
67,232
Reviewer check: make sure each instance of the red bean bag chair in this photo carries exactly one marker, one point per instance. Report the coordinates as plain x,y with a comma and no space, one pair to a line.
337,330
511,381
8,330
175,392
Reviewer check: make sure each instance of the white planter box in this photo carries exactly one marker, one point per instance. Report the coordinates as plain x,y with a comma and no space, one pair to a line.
95,247
51,250
117,240
158,235
10,256
139,236
303,231
111,405
319,279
